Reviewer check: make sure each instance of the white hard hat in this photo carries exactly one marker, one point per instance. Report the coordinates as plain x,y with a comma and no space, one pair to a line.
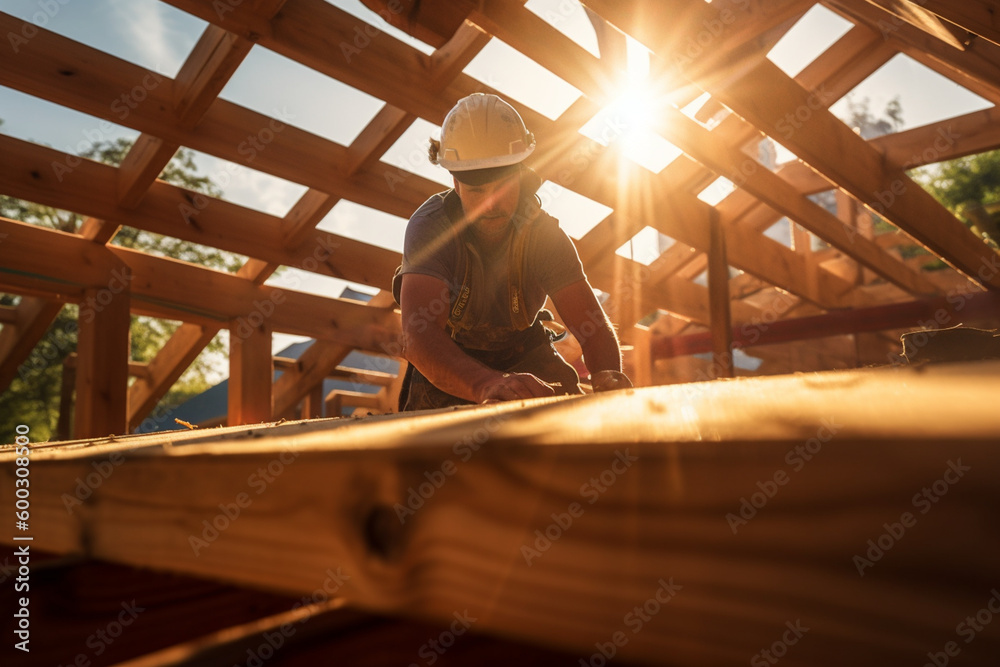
482,132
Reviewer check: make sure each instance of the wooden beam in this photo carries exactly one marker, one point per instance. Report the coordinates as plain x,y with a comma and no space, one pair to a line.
969,134
431,22
979,17
678,213
250,374
62,264
223,296
769,188
314,205
702,42
80,77
194,217
174,289
693,454
312,403
35,315
164,370
836,71
977,67
915,14
948,139
764,96
102,366
719,299
320,360
978,309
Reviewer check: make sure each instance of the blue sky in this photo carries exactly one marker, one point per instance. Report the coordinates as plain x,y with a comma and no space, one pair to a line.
159,37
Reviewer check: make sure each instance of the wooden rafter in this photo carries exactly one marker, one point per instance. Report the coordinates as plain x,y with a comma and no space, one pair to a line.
202,76
916,15
979,17
193,292
982,308
187,111
977,67
173,211
679,215
383,130
831,148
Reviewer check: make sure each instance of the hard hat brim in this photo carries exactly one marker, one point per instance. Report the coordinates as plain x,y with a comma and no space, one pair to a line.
484,176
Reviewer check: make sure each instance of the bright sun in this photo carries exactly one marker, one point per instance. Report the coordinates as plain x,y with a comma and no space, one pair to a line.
628,120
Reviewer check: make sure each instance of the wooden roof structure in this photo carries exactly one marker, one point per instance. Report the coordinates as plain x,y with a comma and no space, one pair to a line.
782,295
732,518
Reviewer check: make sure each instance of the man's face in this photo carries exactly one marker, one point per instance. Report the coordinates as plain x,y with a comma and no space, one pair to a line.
490,206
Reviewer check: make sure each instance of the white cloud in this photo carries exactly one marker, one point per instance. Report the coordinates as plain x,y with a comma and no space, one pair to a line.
143,25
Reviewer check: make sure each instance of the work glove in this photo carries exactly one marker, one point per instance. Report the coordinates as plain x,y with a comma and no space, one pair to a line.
609,381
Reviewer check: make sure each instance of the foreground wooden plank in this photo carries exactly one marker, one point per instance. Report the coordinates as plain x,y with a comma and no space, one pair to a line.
816,516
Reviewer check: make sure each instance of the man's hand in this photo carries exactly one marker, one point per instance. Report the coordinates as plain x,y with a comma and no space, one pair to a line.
609,381
513,386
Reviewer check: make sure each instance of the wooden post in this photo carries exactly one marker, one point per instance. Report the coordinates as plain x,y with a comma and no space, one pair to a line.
312,403
718,298
251,373
102,359
642,360
64,424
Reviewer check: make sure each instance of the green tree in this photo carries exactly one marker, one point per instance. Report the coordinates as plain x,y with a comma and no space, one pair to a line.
33,396
970,188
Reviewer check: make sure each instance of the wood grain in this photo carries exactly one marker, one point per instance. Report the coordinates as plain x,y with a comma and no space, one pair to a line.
830,459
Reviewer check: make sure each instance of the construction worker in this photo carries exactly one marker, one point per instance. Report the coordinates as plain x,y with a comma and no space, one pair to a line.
478,263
